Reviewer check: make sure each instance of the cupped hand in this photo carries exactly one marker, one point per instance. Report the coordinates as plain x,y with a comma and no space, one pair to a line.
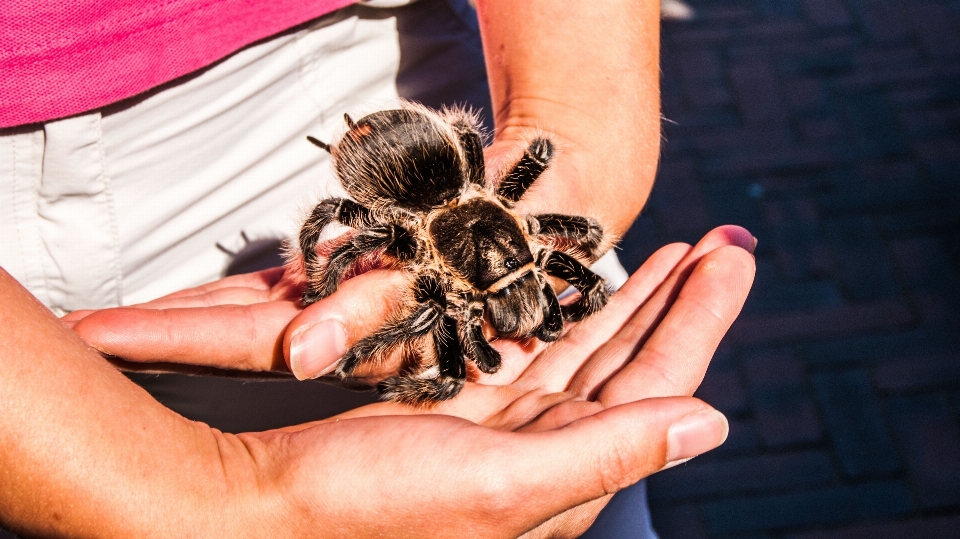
540,455
654,339
438,476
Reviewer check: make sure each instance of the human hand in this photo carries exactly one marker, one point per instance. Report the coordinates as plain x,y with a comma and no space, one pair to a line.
366,474
440,476
654,339
250,324
613,365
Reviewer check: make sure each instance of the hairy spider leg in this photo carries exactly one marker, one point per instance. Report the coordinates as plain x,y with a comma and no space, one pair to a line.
341,210
442,383
593,293
535,160
552,325
393,239
583,233
472,146
475,345
424,320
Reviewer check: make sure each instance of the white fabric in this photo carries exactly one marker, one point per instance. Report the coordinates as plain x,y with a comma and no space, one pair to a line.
126,205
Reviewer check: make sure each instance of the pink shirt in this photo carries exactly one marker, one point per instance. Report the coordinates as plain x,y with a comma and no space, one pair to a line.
59,58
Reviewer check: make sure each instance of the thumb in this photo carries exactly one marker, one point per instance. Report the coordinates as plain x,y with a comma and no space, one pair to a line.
613,449
324,331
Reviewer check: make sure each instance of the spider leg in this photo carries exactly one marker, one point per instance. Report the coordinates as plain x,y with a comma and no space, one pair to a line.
438,383
325,279
472,146
593,292
342,210
435,384
319,143
552,324
475,345
584,233
432,303
535,160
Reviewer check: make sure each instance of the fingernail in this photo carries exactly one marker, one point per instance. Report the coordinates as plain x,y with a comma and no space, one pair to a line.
314,350
755,242
695,434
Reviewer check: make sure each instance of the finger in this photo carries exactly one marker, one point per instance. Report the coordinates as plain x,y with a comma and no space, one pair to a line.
632,311
71,318
523,359
210,298
606,452
242,289
324,331
675,357
245,289
242,337
232,295
236,337
260,280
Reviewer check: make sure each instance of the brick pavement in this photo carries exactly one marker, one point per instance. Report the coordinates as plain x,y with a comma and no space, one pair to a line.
831,129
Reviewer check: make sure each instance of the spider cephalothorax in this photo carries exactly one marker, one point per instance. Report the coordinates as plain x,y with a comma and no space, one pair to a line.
421,201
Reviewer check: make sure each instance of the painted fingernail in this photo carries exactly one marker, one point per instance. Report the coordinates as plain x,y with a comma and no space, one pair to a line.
695,434
314,350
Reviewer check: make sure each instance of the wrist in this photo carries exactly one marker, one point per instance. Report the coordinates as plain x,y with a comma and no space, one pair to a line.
603,167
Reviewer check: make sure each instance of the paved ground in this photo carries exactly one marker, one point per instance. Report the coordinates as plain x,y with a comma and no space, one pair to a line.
831,129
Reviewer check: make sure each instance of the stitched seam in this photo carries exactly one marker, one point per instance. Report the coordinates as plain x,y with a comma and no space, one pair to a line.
24,190
35,190
111,211
16,209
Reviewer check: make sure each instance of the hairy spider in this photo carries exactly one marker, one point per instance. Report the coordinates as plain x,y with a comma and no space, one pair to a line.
421,201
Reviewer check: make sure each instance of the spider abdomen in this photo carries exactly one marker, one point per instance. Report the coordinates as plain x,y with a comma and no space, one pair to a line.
399,156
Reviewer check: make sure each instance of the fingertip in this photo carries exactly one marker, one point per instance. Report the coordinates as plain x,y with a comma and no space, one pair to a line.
735,235
323,332
695,434
730,263
107,329
313,350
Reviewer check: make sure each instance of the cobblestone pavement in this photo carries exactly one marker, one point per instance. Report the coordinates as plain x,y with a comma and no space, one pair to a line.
831,129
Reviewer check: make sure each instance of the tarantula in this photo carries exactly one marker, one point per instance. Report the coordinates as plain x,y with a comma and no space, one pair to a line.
421,201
